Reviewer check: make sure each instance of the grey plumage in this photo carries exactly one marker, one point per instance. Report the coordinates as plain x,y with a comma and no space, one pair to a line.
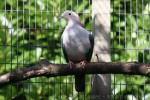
77,44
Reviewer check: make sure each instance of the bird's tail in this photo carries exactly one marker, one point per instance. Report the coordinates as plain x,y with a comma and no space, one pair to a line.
80,82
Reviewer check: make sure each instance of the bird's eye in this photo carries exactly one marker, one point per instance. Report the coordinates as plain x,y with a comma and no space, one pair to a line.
69,13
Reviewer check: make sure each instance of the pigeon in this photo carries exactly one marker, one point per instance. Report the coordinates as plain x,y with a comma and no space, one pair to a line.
77,45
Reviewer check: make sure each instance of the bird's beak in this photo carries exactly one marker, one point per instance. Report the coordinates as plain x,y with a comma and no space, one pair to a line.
60,17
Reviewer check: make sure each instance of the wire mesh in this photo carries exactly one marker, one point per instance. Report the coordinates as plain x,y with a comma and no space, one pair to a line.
30,30
130,43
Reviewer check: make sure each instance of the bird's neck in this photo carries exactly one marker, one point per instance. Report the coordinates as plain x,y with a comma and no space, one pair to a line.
74,22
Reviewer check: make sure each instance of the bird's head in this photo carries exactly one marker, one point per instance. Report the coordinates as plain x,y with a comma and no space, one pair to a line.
70,15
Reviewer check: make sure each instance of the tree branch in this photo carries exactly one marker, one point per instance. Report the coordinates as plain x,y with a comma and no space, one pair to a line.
44,68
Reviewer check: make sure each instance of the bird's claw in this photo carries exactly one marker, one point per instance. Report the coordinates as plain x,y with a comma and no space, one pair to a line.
83,63
71,64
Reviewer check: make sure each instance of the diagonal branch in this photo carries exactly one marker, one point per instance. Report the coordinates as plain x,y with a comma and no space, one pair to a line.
44,68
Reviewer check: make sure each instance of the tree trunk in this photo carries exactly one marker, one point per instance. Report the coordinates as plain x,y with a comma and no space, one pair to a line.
101,84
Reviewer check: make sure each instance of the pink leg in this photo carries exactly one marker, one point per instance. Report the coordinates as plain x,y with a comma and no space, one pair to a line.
71,64
83,63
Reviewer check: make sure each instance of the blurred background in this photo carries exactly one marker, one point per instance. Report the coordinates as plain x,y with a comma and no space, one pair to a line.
30,31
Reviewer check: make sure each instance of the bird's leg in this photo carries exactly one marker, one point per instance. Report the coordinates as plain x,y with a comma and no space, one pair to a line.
83,63
71,64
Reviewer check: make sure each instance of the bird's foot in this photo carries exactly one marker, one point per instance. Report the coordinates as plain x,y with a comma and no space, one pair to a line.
83,63
71,64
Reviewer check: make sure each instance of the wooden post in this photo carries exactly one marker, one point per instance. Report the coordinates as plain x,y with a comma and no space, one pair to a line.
101,84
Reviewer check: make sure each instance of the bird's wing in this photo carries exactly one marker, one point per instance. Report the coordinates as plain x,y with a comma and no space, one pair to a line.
90,52
64,50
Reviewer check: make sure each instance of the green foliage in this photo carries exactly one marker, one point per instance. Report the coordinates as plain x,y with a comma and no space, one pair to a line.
30,30
130,42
